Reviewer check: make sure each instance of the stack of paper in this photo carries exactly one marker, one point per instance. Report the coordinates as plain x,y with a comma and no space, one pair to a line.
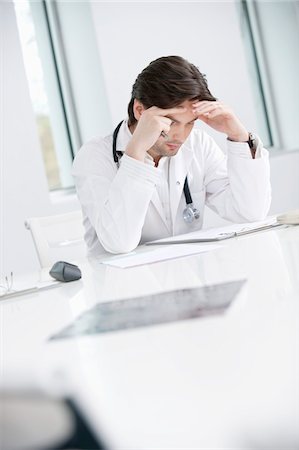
158,254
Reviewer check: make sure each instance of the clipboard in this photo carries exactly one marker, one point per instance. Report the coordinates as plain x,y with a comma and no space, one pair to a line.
218,236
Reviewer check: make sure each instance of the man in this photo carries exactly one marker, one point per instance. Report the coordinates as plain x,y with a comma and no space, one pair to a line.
139,191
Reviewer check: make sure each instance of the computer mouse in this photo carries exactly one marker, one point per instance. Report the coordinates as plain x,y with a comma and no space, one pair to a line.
64,271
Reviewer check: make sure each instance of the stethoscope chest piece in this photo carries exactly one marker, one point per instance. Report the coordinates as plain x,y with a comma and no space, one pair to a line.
190,214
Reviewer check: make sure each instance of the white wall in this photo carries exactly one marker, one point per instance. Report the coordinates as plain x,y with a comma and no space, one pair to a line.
129,36
285,182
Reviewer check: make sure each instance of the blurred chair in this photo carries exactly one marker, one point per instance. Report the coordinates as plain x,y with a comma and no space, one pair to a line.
36,420
58,238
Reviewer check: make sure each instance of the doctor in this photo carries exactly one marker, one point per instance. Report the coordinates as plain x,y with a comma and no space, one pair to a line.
154,175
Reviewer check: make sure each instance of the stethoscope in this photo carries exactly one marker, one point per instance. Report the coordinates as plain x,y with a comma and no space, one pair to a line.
190,213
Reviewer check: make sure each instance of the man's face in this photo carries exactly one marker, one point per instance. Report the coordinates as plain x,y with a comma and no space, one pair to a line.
180,129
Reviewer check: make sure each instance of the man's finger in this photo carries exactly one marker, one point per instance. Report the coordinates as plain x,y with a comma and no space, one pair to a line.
165,120
166,112
203,105
208,108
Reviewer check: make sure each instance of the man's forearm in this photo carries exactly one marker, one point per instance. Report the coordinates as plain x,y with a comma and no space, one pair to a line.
120,219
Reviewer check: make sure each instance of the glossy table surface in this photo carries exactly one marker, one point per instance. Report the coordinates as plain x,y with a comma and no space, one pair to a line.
225,381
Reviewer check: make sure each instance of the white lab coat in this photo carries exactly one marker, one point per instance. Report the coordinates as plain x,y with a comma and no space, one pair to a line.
121,208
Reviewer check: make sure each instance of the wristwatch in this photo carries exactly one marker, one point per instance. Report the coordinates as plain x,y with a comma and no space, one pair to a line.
251,141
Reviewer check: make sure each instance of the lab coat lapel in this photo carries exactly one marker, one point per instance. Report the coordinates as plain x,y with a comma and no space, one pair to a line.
123,138
158,205
179,166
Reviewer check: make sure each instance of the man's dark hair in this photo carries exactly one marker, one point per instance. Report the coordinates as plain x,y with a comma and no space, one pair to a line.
167,82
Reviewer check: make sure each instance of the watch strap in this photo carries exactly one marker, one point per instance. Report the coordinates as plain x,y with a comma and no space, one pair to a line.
251,141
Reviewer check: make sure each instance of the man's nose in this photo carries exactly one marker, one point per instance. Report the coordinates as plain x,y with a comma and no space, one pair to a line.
179,133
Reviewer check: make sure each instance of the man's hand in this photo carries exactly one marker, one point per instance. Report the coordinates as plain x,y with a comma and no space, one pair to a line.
221,118
148,130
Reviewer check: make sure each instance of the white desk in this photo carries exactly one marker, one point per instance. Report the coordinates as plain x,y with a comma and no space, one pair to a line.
226,381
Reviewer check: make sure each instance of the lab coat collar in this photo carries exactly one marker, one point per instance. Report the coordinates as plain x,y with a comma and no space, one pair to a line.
124,136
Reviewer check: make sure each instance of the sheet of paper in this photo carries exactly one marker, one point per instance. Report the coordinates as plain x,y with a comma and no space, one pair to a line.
213,233
158,254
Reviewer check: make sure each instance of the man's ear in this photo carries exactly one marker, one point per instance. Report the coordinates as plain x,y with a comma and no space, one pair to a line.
138,109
